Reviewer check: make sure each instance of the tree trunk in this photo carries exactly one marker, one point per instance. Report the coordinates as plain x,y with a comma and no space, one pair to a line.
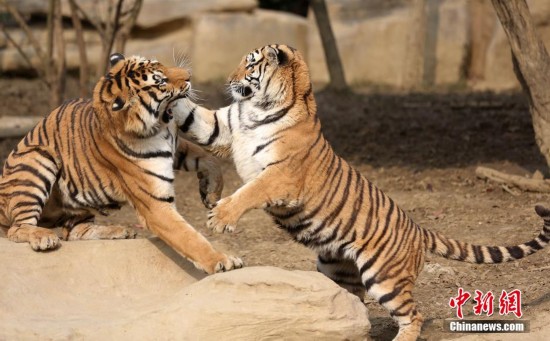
416,40
482,26
334,64
430,44
531,65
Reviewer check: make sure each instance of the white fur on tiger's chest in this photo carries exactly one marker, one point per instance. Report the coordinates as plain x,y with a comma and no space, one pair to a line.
248,166
248,162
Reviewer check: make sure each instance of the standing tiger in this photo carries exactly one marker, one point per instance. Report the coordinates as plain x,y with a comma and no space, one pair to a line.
363,240
89,156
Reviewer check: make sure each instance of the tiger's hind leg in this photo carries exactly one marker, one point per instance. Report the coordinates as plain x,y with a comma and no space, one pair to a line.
91,231
342,271
395,294
30,173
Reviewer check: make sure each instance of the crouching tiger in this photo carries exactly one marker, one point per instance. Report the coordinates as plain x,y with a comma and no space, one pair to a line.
89,156
364,241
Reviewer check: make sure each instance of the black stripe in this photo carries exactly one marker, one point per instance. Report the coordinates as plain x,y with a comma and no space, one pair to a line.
161,177
188,121
169,199
33,171
215,132
391,295
262,146
276,162
38,200
229,119
496,254
142,155
478,253
533,244
148,107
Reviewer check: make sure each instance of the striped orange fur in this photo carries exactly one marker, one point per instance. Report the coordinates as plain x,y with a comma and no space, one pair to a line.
364,240
92,155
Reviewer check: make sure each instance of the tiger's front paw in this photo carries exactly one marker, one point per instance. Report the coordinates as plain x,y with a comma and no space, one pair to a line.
43,239
229,263
220,263
222,218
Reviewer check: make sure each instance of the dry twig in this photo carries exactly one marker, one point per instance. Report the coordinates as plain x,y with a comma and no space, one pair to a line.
525,184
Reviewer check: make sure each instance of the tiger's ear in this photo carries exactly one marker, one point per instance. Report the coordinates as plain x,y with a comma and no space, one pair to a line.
275,56
115,58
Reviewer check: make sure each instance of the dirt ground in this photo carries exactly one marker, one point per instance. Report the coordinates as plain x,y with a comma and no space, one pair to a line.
421,149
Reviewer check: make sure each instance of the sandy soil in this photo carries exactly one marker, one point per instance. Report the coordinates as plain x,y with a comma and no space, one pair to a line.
422,150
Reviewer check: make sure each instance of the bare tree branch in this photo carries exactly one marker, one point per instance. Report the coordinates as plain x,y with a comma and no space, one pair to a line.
96,23
59,70
22,53
84,67
126,27
28,32
115,27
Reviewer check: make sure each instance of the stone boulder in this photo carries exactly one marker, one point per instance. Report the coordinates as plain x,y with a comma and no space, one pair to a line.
155,12
142,290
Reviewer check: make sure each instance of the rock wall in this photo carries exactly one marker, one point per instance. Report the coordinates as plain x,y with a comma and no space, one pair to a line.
372,38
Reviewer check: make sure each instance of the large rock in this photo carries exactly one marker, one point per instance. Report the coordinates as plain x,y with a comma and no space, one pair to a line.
155,12
142,290
221,40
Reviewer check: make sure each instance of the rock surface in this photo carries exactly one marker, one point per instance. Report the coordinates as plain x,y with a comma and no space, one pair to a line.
141,289
155,12
221,40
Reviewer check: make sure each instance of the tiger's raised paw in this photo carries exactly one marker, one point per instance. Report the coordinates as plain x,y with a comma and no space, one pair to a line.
210,186
221,219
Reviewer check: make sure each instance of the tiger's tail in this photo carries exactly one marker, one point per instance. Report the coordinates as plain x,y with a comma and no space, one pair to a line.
440,245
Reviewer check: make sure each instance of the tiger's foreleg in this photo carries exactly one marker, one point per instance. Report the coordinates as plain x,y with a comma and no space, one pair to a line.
271,187
191,157
163,219
39,238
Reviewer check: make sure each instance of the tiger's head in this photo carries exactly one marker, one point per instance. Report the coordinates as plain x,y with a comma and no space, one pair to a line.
269,76
134,94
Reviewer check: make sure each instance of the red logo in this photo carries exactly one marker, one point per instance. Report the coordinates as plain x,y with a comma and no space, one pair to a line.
484,303
508,302
459,301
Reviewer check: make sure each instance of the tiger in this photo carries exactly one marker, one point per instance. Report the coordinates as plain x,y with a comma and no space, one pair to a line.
90,156
364,241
